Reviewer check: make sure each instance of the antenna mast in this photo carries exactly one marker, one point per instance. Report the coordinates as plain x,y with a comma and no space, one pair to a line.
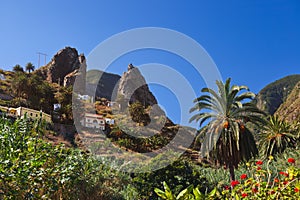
43,54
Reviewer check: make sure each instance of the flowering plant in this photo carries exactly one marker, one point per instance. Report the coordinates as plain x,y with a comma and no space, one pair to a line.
266,184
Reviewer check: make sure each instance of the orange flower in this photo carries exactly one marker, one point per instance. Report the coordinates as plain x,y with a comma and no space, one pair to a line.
276,180
226,124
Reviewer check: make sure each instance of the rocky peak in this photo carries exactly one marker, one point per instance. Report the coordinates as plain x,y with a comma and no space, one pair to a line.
133,87
64,67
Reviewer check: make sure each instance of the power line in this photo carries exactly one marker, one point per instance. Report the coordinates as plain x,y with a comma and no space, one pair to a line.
45,55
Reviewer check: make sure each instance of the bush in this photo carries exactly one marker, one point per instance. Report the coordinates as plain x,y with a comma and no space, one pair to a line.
31,168
180,174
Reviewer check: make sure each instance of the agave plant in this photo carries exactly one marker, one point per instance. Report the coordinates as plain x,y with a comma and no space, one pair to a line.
227,139
276,136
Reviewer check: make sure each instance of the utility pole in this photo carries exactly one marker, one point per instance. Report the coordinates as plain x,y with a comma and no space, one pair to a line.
45,55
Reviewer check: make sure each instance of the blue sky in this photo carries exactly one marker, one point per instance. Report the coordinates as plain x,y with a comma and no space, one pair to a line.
254,42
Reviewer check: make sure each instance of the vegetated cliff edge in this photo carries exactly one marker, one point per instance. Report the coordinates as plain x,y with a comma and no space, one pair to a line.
274,94
290,109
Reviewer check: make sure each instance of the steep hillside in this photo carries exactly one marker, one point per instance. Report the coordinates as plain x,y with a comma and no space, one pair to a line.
273,95
103,87
290,109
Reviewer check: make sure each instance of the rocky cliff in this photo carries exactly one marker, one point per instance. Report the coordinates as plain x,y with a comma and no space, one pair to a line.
290,109
133,87
274,94
64,67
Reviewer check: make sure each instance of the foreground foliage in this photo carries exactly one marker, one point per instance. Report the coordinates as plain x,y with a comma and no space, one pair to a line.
31,168
259,180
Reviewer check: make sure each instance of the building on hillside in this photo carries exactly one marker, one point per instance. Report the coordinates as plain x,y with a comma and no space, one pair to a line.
93,121
109,121
30,113
113,104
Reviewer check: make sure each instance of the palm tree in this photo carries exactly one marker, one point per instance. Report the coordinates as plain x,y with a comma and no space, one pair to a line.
227,139
18,68
276,136
29,67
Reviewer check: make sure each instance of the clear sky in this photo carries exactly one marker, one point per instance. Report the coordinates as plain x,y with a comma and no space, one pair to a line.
255,42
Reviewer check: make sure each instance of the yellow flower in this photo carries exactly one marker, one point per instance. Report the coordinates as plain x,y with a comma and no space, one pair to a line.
271,157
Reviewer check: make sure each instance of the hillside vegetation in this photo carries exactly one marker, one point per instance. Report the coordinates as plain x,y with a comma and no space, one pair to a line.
274,94
290,109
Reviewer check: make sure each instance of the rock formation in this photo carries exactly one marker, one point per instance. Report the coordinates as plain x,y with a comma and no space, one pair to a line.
133,87
274,94
290,109
64,67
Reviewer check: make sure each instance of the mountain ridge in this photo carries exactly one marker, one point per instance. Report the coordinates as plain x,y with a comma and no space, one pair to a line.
275,93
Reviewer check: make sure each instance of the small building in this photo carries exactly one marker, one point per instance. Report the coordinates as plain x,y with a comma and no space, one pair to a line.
30,113
109,121
113,104
85,98
93,121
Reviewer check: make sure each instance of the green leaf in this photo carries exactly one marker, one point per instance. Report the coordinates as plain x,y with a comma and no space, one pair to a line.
160,193
184,193
198,194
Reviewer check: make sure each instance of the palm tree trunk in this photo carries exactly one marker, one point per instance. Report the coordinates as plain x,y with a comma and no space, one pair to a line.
231,172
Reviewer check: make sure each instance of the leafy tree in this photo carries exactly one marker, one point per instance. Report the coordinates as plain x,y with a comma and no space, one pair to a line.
32,91
18,68
19,86
138,113
29,67
276,136
227,139
64,97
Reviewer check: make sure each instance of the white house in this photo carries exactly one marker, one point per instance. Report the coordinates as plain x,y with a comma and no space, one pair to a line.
109,121
93,121
113,104
85,98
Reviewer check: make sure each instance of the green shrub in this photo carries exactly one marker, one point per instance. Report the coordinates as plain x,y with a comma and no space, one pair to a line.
31,168
180,174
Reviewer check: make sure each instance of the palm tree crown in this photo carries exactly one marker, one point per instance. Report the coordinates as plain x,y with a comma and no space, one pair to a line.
227,139
29,67
18,68
276,136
